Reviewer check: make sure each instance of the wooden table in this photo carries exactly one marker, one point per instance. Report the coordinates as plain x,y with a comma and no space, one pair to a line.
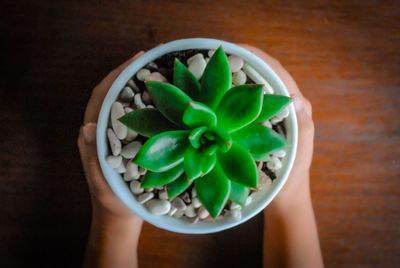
344,56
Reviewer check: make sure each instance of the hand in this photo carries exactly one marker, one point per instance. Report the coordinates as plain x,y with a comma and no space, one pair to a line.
104,202
297,186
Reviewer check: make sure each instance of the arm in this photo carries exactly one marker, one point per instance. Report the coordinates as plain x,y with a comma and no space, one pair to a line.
290,231
114,230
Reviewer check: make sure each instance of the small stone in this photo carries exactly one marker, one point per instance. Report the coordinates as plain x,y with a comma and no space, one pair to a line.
207,60
163,195
263,180
130,150
117,111
233,215
190,211
159,187
279,153
198,56
283,113
146,97
172,211
151,189
267,124
127,177
234,205
197,67
196,202
239,78
194,193
150,106
185,197
211,52
114,161
158,207
135,187
178,203
192,220
128,110
127,94
152,65
142,170
156,76
131,135
276,120
274,163
250,199
133,85
121,168
257,78
178,214
138,101
142,74
115,143
143,198
132,170
236,63
203,213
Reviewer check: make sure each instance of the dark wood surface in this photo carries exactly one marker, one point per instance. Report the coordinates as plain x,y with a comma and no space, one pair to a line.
344,56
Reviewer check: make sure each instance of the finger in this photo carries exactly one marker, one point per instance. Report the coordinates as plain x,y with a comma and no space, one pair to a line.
99,92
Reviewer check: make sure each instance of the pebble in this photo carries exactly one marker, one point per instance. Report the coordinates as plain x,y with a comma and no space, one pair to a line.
159,187
131,135
198,56
114,161
194,193
185,197
211,52
233,215
146,99
178,214
279,153
263,180
163,195
236,63
151,189
133,85
117,111
196,202
152,64
127,94
142,170
197,67
234,205
130,150
128,110
192,220
143,198
203,213
256,77
283,113
132,170
138,101
158,207
135,187
267,124
150,106
207,60
190,211
156,76
239,78
276,120
250,199
121,168
142,74
172,211
127,177
178,203
274,163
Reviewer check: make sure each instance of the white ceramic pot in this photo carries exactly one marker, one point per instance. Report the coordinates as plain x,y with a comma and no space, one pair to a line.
121,188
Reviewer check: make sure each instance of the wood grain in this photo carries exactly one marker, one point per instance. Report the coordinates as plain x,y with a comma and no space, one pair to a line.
344,56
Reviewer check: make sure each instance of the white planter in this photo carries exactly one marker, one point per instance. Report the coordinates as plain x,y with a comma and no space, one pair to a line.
120,187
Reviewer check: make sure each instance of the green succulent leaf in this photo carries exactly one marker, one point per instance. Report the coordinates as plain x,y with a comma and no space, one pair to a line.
195,135
170,100
238,193
147,122
261,157
216,79
197,114
163,151
239,107
192,162
177,187
259,140
208,163
272,104
222,139
154,179
185,80
239,166
213,190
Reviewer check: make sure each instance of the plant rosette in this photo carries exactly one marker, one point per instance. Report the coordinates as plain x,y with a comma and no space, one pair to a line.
197,135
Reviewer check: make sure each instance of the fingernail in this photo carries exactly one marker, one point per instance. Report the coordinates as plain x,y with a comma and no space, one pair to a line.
298,104
89,133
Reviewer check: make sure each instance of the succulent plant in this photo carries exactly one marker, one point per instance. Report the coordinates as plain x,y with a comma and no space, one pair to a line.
206,132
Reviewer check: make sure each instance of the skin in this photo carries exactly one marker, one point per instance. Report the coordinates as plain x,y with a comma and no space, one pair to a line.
290,233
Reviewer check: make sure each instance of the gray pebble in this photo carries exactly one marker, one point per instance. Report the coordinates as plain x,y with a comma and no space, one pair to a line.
142,74
130,150
117,111
236,63
178,203
156,76
192,220
233,215
234,205
133,85
127,94
158,207
115,143
135,187
143,198
172,211
114,161
190,211
185,197
178,214
239,78
196,202
203,213
146,97
163,195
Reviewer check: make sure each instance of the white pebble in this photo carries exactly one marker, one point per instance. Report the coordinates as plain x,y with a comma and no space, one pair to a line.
236,63
239,78
156,76
114,161
256,77
276,120
172,211
197,67
267,124
146,99
143,198
128,110
121,168
117,111
132,170
163,195
207,60
185,197
131,133
178,203
142,170
279,153
142,74
203,213
159,187
283,113
115,143
138,101
263,180
196,202
130,150
127,177
133,85
158,207
198,56
234,205
274,163
192,220
233,215
135,187
250,199
189,211
151,189
149,106
211,52
152,64
178,214
194,193
127,94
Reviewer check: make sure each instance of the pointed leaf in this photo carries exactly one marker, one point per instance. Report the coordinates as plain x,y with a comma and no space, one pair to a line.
239,166
195,135
208,163
238,193
222,138
216,79
198,114
260,157
169,100
272,104
213,190
154,179
147,122
192,162
163,151
185,80
239,107
259,140
177,187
